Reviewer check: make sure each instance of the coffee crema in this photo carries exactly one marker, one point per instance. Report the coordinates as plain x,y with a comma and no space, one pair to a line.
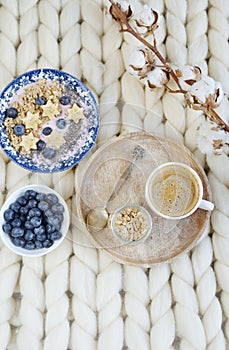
174,191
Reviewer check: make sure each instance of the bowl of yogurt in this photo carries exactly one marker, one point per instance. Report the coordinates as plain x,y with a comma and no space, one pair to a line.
49,120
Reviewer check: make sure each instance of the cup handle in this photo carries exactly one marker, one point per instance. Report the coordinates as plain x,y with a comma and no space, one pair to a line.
206,205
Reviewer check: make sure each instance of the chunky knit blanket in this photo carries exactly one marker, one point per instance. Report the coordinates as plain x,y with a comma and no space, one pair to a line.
77,297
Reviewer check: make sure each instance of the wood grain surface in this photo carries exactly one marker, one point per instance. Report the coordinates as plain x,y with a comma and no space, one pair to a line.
168,238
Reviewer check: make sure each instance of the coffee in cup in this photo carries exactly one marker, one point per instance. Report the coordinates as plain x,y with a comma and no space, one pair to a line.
174,191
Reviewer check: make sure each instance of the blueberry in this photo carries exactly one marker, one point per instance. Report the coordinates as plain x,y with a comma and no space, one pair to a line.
60,217
41,145
18,241
39,230
29,235
43,205
22,200
17,232
29,245
36,221
23,218
16,223
40,197
11,112
28,225
49,153
24,210
58,208
54,221
47,131
41,237
38,244
7,228
61,123
50,228
19,129
15,206
64,100
9,214
52,198
40,100
30,194
34,212
55,235
32,203
47,243
49,213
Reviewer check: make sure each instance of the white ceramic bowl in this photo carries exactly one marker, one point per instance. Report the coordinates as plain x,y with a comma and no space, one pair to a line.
36,252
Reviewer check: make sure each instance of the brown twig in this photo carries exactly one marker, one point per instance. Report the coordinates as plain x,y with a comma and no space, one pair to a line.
123,19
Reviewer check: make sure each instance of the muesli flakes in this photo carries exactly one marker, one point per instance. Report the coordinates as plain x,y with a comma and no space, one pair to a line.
131,224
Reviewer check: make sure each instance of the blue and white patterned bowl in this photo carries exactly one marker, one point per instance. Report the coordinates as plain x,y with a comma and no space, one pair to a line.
85,96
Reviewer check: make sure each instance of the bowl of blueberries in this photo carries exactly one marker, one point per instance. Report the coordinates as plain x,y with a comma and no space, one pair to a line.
49,120
34,220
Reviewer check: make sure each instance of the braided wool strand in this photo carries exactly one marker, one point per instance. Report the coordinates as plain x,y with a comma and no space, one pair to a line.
108,302
136,301
92,68
70,40
132,90
177,53
220,243
84,265
209,306
78,297
8,41
48,34
153,120
190,329
218,42
57,328
9,272
220,239
32,306
27,51
197,26
162,333
113,69
56,285
2,179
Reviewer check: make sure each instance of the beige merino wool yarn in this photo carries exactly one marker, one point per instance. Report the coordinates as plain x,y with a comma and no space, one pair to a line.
78,297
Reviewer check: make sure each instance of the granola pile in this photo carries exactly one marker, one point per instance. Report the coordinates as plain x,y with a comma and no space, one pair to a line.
131,224
39,118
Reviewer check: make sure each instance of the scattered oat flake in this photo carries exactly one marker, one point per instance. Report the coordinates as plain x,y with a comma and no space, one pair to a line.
75,113
55,139
50,109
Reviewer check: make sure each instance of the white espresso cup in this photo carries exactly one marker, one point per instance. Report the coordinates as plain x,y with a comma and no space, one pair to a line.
175,191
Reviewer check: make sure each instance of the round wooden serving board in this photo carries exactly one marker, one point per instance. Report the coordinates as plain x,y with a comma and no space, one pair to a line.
168,238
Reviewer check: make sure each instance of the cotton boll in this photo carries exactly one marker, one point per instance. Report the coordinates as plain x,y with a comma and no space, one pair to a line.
145,21
146,17
124,5
187,76
137,58
156,78
202,89
206,90
212,139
